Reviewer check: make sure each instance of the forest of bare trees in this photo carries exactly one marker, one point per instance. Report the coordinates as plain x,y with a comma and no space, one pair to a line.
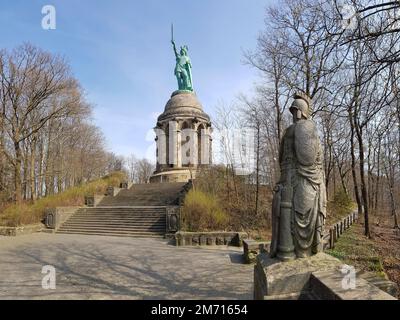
348,65
47,142
138,170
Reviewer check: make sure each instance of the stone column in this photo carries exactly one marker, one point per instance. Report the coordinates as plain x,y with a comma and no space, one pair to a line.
210,130
205,147
178,148
210,149
161,146
173,143
194,147
190,145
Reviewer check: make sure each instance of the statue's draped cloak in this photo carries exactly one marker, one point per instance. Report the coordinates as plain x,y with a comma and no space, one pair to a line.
302,170
309,194
183,71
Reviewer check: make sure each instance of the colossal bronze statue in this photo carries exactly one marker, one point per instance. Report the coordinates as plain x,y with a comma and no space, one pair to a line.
299,204
183,66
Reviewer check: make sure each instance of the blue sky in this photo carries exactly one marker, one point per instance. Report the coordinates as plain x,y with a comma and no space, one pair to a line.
121,53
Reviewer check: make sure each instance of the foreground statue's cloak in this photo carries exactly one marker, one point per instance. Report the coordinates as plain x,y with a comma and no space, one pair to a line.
301,190
309,194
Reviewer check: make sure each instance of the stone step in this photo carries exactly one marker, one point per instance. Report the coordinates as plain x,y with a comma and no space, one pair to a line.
138,212
119,218
122,208
106,223
135,214
109,231
113,228
152,211
133,202
118,215
116,234
122,222
113,209
155,194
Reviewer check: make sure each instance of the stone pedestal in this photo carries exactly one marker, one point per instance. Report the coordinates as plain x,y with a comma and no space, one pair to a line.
318,277
252,248
183,135
273,277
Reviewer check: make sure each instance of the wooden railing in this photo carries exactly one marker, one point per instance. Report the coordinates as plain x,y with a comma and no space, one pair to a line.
333,233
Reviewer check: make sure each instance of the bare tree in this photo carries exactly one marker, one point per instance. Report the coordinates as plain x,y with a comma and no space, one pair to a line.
47,143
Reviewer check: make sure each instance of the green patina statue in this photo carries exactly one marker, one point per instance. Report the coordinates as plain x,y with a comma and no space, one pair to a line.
183,68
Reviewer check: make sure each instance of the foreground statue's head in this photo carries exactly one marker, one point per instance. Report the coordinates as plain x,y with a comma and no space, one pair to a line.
301,106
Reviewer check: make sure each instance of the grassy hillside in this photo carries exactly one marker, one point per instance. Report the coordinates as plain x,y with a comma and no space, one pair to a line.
28,213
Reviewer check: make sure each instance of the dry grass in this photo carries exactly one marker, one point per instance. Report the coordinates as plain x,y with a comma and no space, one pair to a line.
29,213
380,253
355,249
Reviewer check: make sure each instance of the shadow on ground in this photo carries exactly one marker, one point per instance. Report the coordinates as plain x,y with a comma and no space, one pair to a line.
95,267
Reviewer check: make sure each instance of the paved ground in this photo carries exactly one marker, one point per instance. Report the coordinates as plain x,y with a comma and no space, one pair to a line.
98,267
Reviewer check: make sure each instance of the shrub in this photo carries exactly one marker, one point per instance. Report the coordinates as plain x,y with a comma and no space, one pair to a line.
236,196
202,212
341,205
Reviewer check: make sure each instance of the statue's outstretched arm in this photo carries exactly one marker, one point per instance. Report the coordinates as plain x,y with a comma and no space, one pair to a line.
175,51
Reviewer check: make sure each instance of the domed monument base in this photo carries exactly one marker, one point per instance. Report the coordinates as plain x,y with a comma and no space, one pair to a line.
183,137
175,175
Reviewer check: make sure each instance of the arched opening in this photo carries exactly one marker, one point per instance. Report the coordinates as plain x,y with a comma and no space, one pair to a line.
185,144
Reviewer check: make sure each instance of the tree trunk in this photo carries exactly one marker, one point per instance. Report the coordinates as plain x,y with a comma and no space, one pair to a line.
378,173
17,173
257,168
32,170
364,191
353,168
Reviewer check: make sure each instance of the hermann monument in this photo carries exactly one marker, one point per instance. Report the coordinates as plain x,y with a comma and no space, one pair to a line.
183,130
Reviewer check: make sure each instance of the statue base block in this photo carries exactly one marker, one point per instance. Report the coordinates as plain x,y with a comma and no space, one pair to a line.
182,92
276,279
318,277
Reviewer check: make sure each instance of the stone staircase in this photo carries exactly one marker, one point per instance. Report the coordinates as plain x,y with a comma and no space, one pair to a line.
149,194
136,212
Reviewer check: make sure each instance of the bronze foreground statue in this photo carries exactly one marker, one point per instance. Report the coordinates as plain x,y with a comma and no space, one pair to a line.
299,204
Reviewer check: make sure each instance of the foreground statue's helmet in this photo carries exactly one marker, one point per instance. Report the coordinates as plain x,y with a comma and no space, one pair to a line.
303,103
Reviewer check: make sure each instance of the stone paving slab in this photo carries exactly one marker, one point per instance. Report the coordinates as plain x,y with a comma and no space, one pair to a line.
102,267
